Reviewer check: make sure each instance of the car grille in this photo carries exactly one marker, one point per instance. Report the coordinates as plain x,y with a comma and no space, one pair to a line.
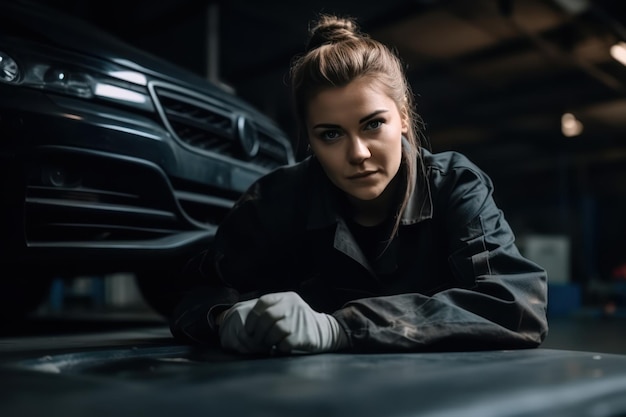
207,127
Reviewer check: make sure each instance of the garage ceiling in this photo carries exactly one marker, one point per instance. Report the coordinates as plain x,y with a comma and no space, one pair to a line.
492,78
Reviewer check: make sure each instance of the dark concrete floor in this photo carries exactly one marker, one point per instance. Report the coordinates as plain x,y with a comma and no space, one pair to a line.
125,363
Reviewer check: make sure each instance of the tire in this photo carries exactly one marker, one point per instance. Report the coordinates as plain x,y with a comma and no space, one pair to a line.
20,298
160,289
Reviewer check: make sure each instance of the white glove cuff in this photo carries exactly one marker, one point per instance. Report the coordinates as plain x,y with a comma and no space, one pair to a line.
339,338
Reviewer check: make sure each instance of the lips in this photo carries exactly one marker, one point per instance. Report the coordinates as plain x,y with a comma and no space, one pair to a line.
362,174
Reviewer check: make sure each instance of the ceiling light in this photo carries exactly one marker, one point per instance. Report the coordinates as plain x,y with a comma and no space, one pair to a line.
570,126
573,6
618,51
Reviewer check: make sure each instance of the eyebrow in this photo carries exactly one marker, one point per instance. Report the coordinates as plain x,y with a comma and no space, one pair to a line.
362,120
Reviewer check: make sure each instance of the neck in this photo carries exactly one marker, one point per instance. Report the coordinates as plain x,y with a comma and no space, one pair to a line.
374,212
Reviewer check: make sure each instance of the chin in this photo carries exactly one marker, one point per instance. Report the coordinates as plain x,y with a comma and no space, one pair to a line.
366,195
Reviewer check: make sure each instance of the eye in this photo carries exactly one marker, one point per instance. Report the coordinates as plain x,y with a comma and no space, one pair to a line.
330,135
374,124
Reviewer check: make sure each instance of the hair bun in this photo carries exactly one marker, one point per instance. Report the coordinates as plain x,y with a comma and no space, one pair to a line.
332,29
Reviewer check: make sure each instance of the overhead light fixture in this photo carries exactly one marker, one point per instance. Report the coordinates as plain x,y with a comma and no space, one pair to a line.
618,52
570,126
573,6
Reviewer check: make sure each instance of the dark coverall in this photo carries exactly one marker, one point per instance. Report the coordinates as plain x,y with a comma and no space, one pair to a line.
451,279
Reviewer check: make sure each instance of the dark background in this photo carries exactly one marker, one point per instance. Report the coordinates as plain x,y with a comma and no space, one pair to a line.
492,79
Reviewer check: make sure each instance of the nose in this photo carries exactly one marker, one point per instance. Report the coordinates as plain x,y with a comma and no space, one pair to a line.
358,151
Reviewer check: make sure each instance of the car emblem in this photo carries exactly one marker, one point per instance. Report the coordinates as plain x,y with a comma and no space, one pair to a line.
247,135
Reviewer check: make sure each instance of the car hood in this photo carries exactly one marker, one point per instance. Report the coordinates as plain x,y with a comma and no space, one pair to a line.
51,26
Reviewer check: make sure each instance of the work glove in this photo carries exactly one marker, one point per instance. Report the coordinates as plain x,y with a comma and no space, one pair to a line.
232,332
286,323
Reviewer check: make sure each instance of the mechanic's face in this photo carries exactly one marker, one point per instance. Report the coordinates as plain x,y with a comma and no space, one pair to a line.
355,133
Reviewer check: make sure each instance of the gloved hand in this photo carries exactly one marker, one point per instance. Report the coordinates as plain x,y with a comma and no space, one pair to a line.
232,332
284,321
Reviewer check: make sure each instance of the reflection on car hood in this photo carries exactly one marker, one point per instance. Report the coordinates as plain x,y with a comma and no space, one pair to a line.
45,24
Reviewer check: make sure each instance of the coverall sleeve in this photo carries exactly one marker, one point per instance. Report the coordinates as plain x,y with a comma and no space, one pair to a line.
499,304
235,268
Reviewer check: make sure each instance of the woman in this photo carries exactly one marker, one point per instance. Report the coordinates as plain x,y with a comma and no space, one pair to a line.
370,244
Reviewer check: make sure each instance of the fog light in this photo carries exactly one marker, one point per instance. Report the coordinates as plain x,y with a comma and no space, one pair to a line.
9,71
58,176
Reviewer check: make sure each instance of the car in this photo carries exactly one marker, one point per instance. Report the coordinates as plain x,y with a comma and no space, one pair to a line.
112,159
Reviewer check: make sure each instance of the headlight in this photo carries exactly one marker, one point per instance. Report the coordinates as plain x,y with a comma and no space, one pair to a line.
9,71
75,83
75,75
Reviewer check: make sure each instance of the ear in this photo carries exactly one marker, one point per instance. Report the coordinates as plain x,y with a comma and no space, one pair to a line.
404,119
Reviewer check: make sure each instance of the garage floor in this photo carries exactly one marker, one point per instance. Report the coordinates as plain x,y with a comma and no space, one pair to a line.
117,363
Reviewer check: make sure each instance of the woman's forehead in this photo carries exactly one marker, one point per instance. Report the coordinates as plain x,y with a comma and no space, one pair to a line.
352,101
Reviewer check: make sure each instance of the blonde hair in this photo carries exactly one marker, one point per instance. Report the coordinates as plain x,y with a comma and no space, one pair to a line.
338,53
